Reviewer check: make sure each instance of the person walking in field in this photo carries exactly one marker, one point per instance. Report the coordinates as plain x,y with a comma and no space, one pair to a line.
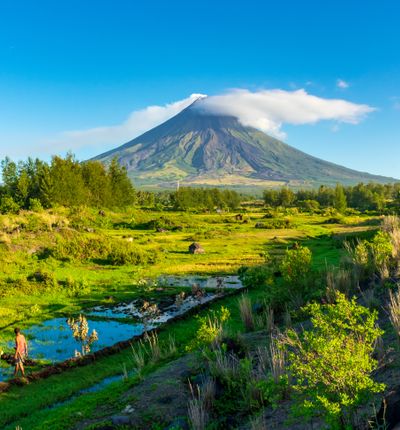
21,351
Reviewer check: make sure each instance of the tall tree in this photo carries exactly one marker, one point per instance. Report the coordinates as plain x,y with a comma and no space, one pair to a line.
340,202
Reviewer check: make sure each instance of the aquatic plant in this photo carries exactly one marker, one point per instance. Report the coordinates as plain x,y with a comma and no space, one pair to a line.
149,311
80,332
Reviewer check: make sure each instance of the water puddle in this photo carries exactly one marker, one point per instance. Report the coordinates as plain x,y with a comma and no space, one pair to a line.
217,282
167,310
92,389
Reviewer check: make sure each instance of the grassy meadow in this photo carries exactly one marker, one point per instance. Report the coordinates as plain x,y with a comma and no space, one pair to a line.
54,263
28,239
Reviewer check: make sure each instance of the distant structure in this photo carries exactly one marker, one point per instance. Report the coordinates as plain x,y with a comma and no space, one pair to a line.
196,248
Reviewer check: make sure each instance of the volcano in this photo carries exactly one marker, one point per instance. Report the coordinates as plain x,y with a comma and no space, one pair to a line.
196,147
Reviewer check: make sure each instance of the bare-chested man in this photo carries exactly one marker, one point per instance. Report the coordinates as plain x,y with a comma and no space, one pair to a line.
21,351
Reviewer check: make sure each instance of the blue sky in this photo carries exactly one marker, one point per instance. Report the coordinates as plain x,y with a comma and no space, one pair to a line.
74,66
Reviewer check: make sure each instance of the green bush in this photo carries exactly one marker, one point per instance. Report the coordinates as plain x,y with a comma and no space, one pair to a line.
75,288
275,224
8,205
256,276
127,253
81,247
296,265
35,205
211,329
374,257
44,277
332,363
78,247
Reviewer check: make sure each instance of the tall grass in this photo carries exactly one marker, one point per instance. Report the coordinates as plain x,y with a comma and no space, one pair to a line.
342,280
246,312
394,311
266,319
277,360
197,413
223,366
391,225
258,423
139,359
150,350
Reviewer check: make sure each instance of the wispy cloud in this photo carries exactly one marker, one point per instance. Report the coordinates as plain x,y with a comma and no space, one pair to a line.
137,123
340,83
266,110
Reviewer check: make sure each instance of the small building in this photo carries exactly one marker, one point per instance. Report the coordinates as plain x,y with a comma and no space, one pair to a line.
196,248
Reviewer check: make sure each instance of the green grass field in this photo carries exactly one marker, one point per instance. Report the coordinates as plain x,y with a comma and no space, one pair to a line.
229,244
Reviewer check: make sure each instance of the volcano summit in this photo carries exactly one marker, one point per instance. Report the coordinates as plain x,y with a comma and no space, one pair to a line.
196,147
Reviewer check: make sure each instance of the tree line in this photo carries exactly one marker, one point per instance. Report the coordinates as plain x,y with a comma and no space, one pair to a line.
34,184
63,182
362,197
67,182
187,198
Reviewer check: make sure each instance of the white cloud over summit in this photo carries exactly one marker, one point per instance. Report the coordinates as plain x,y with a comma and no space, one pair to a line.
269,110
266,110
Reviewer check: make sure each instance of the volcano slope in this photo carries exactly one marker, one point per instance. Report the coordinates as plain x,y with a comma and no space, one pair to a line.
199,148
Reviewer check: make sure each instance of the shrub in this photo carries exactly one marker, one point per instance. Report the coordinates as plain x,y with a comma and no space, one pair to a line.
296,264
246,385
8,205
211,328
381,249
374,256
76,288
310,206
35,205
332,362
45,278
80,247
255,276
127,253
275,224
77,247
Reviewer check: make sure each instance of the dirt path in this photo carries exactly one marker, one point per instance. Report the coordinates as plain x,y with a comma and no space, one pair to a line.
160,398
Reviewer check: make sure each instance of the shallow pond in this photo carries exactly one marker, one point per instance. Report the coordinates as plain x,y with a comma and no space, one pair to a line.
53,341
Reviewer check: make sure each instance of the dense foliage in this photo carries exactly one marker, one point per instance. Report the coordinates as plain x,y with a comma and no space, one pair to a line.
204,198
361,197
65,182
331,364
